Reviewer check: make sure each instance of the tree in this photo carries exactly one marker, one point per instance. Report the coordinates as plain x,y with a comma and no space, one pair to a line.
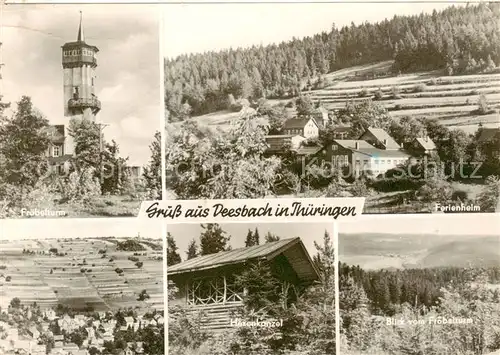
256,237
152,171
221,165
213,239
263,288
305,106
252,238
15,303
24,140
192,251
172,256
489,197
269,238
249,238
363,115
89,141
115,176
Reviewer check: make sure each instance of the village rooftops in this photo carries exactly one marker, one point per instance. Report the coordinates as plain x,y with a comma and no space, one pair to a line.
426,143
382,137
293,249
297,123
366,148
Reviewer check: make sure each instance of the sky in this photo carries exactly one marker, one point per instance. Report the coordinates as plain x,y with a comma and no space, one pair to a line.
195,28
128,72
76,227
308,232
432,224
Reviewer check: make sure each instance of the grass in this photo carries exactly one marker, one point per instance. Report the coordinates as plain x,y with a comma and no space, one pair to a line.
103,206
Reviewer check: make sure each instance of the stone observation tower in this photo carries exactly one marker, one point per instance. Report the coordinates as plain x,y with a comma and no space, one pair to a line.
79,61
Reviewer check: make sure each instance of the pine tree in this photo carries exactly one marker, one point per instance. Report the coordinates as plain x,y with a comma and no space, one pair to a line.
256,237
269,238
173,256
152,172
213,239
192,251
249,239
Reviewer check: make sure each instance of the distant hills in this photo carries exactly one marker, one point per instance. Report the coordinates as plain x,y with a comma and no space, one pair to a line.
389,251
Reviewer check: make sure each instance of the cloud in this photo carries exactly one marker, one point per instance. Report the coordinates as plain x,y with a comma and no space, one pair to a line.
128,75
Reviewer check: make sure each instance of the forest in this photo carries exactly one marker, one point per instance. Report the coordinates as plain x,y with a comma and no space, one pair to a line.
308,324
371,301
457,40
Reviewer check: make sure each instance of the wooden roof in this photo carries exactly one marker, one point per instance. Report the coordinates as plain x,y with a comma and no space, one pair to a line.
293,249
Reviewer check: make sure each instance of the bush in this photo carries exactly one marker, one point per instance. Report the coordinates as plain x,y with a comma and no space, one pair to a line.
139,264
483,107
432,82
435,190
8,278
363,93
118,270
379,95
396,92
419,88
80,186
133,258
359,189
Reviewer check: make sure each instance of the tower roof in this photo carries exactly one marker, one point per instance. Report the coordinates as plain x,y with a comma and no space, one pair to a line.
80,37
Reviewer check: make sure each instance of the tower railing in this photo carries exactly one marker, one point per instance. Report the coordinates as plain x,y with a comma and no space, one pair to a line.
92,102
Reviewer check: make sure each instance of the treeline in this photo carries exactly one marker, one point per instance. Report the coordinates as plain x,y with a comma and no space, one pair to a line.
212,239
387,290
459,39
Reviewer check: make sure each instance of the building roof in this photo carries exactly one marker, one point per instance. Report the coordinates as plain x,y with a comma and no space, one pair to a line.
351,144
384,138
488,134
366,148
307,150
292,248
426,143
294,123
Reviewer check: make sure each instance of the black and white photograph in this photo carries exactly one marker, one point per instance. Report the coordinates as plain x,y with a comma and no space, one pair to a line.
251,288
397,102
94,291
80,110
420,285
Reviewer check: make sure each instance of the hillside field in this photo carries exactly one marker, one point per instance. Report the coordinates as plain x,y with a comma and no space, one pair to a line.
451,99
81,273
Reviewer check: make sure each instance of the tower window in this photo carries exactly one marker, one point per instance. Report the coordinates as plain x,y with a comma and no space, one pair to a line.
56,151
75,93
92,81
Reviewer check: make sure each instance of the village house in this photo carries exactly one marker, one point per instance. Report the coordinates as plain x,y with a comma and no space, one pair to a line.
379,138
321,116
279,142
207,283
362,158
306,127
421,146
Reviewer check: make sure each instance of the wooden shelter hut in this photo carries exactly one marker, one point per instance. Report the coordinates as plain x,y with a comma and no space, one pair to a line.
208,283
